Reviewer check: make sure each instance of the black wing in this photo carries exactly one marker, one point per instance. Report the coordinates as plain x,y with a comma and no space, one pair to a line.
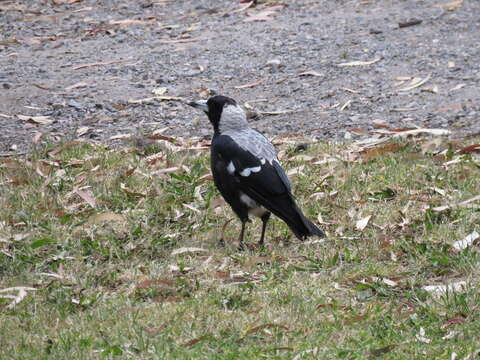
265,182
269,186
269,181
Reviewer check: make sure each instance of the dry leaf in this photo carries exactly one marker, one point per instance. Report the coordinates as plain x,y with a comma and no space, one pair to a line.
438,190
243,8
310,73
466,242
40,86
351,90
251,84
127,22
381,351
86,197
61,2
457,107
105,217
465,203
21,294
380,150
193,208
189,250
194,341
149,99
458,87
452,321
77,85
450,6
165,171
178,269
296,171
131,192
159,91
389,282
302,157
360,63
42,120
438,290
120,136
405,24
421,336
433,89
37,138
473,355
469,149
265,15
433,146
281,112
362,223
155,331
180,41
415,132
416,82
78,67
265,326
346,105
82,130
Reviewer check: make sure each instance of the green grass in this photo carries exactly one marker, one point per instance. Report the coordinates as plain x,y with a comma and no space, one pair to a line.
107,286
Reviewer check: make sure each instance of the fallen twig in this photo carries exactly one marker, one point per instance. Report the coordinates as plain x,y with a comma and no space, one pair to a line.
251,84
98,64
409,23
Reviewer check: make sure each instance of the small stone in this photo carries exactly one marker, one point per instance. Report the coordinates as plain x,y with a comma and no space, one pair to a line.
300,147
75,104
275,64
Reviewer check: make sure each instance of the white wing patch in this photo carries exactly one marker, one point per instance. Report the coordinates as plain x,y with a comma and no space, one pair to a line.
231,168
263,161
247,171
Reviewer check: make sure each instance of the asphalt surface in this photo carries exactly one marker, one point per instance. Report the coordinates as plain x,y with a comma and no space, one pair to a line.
87,69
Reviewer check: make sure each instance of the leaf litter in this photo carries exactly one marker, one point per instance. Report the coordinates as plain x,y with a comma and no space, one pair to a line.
246,271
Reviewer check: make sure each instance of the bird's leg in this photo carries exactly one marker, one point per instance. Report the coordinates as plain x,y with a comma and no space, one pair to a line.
241,244
264,218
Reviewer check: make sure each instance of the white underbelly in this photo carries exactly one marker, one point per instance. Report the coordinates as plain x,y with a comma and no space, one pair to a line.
253,207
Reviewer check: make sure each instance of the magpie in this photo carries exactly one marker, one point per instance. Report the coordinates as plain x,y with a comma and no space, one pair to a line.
247,172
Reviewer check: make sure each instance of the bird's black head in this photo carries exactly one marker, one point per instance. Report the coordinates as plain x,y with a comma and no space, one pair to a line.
213,107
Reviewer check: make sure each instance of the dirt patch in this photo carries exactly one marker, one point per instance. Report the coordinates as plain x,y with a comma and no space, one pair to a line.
81,63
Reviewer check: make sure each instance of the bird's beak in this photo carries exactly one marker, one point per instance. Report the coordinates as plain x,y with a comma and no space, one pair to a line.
200,104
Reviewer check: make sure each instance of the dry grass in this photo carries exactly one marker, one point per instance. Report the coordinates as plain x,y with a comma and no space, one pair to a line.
91,231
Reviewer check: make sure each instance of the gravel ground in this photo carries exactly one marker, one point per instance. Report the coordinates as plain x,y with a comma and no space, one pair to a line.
189,49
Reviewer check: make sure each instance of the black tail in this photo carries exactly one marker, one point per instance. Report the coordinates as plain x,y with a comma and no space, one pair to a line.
285,208
301,226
